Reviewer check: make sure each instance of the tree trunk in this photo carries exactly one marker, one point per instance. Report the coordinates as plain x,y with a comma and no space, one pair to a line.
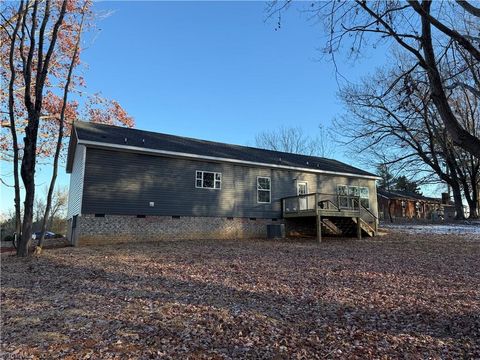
459,135
472,206
28,177
11,112
470,196
390,210
60,137
26,233
50,191
475,186
33,99
473,202
457,198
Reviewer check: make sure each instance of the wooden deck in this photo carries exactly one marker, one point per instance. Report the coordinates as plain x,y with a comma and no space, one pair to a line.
329,213
306,213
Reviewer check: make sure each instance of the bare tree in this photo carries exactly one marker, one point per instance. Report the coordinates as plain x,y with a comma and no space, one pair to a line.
326,142
294,140
38,209
401,117
467,107
58,204
424,31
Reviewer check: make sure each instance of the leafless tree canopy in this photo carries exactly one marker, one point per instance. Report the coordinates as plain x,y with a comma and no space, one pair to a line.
400,118
426,33
294,140
422,109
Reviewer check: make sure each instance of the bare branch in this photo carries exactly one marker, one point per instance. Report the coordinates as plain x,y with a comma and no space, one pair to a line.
469,7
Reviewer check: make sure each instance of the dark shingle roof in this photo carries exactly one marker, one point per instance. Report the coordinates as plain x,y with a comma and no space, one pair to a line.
150,140
409,195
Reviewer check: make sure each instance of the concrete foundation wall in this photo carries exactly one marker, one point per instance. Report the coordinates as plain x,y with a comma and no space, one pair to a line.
113,229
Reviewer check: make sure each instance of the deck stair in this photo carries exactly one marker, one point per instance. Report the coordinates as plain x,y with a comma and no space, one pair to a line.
346,224
367,229
330,228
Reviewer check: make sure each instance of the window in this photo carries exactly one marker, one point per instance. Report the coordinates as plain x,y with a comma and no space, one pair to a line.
353,191
263,189
342,191
208,180
348,194
365,197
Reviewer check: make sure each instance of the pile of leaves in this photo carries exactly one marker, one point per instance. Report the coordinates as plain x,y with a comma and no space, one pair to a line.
392,296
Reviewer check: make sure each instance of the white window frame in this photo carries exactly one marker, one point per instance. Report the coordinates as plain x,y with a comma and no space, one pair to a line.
359,193
343,196
269,190
215,180
368,195
303,183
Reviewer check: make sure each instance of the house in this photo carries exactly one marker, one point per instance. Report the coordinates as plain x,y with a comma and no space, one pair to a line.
396,204
134,185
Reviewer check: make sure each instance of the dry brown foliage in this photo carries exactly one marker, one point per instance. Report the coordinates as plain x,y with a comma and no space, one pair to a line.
413,296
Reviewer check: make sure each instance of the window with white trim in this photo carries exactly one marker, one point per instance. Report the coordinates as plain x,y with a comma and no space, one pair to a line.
208,180
342,191
365,197
353,191
263,189
347,195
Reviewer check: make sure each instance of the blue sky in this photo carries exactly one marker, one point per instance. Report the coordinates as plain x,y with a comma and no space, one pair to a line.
212,70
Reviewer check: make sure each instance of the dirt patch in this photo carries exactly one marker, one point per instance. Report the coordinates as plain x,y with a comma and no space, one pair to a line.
396,295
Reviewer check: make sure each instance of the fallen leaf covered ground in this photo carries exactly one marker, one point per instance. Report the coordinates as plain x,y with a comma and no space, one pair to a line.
399,295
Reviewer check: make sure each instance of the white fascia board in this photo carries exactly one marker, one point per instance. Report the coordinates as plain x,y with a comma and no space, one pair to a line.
215,158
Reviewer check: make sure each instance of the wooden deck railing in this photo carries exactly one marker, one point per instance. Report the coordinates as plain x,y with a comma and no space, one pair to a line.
318,203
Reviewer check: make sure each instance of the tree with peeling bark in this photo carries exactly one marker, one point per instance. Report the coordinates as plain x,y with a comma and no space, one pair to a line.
42,40
424,31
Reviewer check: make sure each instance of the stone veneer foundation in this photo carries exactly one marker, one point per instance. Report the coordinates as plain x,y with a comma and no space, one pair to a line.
113,229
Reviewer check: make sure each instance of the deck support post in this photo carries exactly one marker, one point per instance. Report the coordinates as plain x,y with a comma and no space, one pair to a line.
319,228
359,228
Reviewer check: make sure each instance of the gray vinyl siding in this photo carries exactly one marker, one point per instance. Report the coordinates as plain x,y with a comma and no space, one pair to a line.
76,182
124,183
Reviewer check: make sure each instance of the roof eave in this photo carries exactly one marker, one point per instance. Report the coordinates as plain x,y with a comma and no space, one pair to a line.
215,158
